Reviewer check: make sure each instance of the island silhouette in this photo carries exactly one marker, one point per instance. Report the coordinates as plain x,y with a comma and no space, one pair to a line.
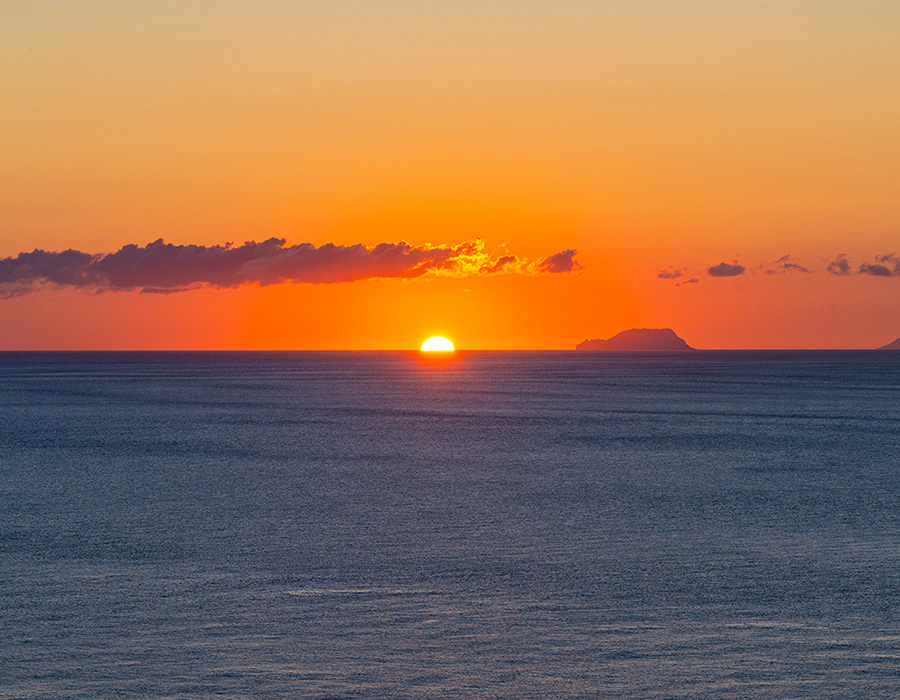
638,340
891,346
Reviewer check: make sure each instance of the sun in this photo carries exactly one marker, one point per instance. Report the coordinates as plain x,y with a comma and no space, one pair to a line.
437,344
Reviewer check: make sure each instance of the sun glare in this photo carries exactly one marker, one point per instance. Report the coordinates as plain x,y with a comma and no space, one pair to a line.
437,344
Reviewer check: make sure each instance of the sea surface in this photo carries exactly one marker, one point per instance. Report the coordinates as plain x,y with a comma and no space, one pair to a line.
504,525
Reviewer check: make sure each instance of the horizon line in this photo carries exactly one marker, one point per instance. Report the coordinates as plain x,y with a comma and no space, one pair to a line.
456,351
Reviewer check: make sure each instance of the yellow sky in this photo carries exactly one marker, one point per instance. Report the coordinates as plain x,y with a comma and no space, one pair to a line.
649,136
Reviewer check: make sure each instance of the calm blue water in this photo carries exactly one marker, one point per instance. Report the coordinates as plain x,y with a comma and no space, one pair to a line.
510,525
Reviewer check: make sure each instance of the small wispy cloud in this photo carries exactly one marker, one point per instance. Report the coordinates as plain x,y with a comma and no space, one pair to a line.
884,266
560,262
506,262
839,266
785,264
726,270
166,268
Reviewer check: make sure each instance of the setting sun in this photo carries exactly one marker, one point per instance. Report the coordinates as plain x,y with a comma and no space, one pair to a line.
437,344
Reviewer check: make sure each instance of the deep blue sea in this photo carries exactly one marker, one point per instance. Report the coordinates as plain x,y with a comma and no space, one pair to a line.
506,525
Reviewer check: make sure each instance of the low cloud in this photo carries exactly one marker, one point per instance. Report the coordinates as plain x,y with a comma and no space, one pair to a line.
884,266
840,266
166,268
785,264
726,270
506,262
560,262
875,270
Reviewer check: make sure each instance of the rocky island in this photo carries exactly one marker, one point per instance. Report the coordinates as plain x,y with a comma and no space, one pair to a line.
638,340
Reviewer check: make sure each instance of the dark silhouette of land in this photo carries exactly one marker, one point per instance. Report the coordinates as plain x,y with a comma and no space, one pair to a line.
639,340
891,346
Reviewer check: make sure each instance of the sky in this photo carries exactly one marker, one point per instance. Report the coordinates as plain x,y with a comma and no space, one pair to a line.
512,175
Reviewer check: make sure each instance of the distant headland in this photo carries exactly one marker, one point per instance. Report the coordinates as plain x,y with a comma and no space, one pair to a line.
638,340
891,346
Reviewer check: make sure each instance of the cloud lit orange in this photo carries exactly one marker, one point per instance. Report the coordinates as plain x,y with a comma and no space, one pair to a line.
165,268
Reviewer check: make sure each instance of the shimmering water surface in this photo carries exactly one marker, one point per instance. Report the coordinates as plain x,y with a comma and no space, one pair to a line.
507,525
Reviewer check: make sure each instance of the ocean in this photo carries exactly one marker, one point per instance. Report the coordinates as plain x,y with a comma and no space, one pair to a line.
503,525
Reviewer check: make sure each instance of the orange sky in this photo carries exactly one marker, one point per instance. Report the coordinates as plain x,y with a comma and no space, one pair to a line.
650,136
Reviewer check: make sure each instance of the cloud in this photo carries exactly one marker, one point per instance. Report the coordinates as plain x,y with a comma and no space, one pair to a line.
726,270
783,265
673,273
839,266
166,268
504,263
875,270
884,266
560,262
67,268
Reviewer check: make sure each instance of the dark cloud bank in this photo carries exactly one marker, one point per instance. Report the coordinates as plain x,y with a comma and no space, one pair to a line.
165,268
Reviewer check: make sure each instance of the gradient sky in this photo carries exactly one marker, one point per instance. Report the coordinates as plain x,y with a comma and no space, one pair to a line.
659,140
